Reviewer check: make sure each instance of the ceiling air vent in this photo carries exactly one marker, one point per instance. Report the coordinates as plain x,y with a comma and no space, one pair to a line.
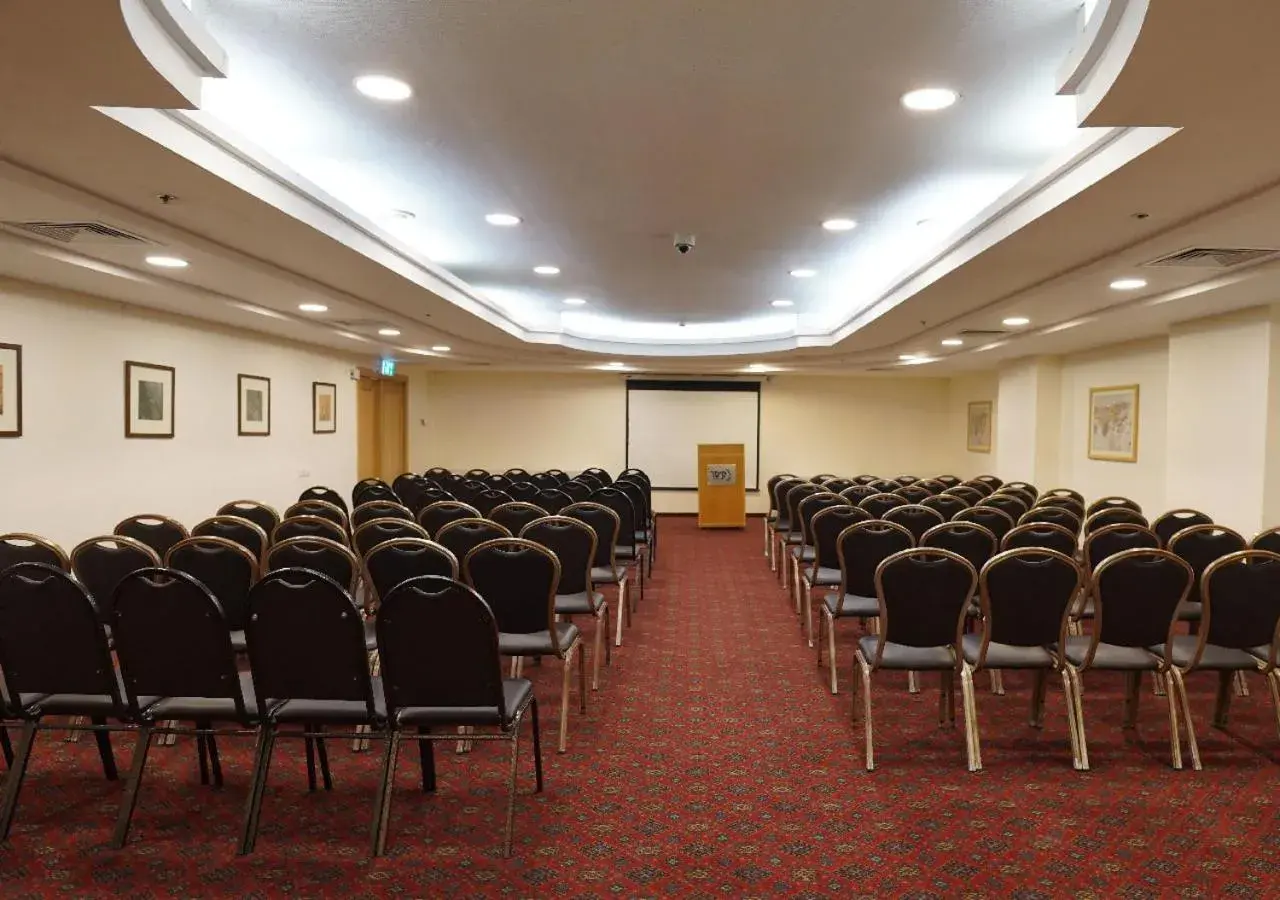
982,332
1214,257
78,232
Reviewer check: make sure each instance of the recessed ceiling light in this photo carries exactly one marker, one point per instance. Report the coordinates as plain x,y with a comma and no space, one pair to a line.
383,87
782,304
839,224
905,357
313,307
502,220
574,301
952,342
1128,284
1016,321
389,332
441,348
803,273
929,99
546,270
167,262
615,364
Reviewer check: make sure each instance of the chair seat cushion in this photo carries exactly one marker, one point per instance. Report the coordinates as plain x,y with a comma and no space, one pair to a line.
1262,653
900,656
824,577
539,642
792,539
605,575
1221,659
1190,611
88,705
333,712
1005,656
625,552
580,603
213,709
642,537
804,554
516,693
1110,656
781,525
854,605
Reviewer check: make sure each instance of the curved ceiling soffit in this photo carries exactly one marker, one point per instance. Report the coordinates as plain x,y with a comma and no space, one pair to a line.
179,50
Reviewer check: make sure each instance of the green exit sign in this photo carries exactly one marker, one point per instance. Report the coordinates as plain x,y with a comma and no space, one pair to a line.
388,367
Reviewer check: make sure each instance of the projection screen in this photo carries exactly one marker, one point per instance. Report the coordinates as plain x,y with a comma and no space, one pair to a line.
667,420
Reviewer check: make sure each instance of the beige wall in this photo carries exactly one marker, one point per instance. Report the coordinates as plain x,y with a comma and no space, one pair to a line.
73,474
961,391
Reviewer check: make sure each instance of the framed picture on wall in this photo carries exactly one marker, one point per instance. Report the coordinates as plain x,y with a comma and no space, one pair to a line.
979,427
148,400
1113,423
10,390
253,405
324,407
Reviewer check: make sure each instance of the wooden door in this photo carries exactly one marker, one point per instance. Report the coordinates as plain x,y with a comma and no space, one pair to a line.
381,415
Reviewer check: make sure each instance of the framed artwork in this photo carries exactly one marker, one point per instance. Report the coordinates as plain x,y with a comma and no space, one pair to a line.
253,405
148,400
10,390
979,427
1113,423
324,407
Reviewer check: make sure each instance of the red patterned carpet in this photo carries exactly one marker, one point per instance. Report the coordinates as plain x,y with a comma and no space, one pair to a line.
712,763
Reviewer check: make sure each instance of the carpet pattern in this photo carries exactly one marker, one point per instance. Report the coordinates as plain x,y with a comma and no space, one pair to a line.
713,762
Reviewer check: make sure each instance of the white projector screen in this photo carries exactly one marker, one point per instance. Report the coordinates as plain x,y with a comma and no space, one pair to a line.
667,420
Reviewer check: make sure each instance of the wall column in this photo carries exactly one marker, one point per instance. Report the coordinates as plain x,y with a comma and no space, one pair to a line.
1028,421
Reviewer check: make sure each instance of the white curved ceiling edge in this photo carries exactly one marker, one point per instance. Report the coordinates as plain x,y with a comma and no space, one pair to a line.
170,36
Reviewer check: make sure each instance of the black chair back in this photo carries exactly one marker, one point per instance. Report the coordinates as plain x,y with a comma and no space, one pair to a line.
1022,487
861,548
932,485
637,473
405,483
1111,503
436,472
924,594
1200,545
997,521
915,518
477,474
498,483
617,501
394,562
778,497
836,485
438,515
226,569
879,504
1266,540
544,481
559,475
462,535
856,493
1169,524
1046,535
981,487
468,490
1055,515
1136,595
515,515
866,479
990,481
377,531
1015,507
573,542
913,494
318,554
1116,515
157,532
237,530
101,563
519,580
639,498
603,476
948,481
1026,595
552,500
488,500
524,491
1241,594
947,505
370,490
1113,539
809,507
328,495
826,527
905,480
968,539
379,509
515,476
970,495
1062,501
321,509
308,526
1063,493
19,548
265,517
884,485
604,522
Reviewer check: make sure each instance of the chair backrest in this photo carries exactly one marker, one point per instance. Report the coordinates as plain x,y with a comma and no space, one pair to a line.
924,594
321,509
515,515
1169,524
906,479
225,568
879,504
489,499
173,640
371,489
524,491
318,554
308,526
233,528
1011,504
969,494
822,478
438,515
1114,539
884,485
1136,596
826,527
18,547
405,482
559,475
856,493
778,494
574,544
519,580
990,481
1026,596
375,531
584,478
428,495
468,489
639,498
498,483
328,495
949,481
866,479
637,473
477,474
861,548
1200,545
810,506
51,636
913,494
1022,487
1241,595
379,509
260,514
393,562
1041,534
968,539
1266,540
997,521
438,648
1061,493
461,535
1115,515
838,484
157,532
1112,502
792,498
580,490
620,503
552,500
1056,515
100,563
915,518
605,523
932,485
306,640
515,476
436,472
596,472
947,505
1062,502
544,481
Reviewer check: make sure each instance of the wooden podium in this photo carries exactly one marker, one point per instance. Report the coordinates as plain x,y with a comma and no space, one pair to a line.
722,486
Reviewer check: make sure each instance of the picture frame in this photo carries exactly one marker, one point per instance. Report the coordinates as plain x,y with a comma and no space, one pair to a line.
253,406
148,400
1113,423
979,424
10,390
324,407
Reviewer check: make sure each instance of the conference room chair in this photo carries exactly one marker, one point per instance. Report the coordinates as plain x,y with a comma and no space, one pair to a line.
949,481
792,536
781,523
885,485
946,505
515,476
1025,597
1059,493
455,681
1013,506
1240,593
1266,540
157,532
629,550
468,490
997,521
1107,542
233,528
638,493
967,493
519,580
838,484
326,686
879,504
437,515
915,518
328,495
580,490
1022,487
309,526
1047,535
394,562
599,474
545,481
913,494
771,515
1113,502
982,487
18,548
375,488
55,660
100,563
860,548
856,493
488,500
260,514
177,665
1198,546
574,544
1136,595
461,536
451,482
321,509
967,539
802,553
433,493
477,474
1167,525
376,531
498,483
1071,504
552,500
1054,515
515,515
865,479
1113,515
559,475
405,482
524,491
932,485
823,571
379,509
905,479
991,481
319,554
436,472
226,569
638,473
604,567
923,594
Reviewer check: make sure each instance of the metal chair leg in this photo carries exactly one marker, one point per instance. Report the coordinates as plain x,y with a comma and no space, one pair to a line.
1077,691
6,748
1038,687
866,710
257,788
970,702
203,757
1242,684
1175,738
596,651
566,681
427,760
537,743
582,677
1273,686
1132,694
913,682
1222,702
13,780
311,760
322,753
831,653
1073,727
104,751
140,750
215,764
509,830
382,800
1178,683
